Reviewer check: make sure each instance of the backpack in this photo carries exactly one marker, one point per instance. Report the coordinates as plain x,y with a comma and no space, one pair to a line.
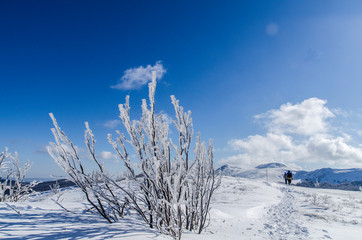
289,175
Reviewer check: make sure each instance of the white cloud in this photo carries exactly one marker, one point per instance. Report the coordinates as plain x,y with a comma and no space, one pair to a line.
112,123
335,150
105,155
260,149
306,118
166,118
297,134
135,78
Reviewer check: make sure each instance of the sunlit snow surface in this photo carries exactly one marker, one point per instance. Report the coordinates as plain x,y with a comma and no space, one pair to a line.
241,209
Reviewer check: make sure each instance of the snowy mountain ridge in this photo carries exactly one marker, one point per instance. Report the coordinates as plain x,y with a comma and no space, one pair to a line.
330,175
325,177
270,171
271,165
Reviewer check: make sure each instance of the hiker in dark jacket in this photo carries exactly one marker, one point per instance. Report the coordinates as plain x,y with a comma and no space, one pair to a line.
289,177
285,177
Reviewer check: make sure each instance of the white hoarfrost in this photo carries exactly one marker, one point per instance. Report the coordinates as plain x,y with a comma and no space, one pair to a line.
169,187
13,188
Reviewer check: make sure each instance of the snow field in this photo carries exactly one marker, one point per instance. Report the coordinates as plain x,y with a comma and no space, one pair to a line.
330,214
238,210
283,218
241,209
41,218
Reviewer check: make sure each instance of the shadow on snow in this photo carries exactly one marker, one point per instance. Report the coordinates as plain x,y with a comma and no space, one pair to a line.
63,225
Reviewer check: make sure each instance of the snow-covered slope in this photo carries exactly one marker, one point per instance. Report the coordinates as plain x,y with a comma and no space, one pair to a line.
271,165
271,172
241,209
347,179
330,175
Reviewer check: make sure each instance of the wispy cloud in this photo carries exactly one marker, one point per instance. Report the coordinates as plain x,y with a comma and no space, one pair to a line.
135,78
297,134
166,118
105,155
112,123
42,150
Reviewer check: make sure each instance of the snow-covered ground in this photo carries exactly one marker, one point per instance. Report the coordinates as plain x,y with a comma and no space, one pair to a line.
241,209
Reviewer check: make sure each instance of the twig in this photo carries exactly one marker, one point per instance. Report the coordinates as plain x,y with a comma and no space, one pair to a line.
18,212
60,205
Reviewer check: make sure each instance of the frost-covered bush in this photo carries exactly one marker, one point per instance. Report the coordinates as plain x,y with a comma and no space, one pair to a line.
322,201
176,189
316,183
95,184
174,185
12,185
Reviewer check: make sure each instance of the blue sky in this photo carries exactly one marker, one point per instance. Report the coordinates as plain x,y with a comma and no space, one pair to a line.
268,81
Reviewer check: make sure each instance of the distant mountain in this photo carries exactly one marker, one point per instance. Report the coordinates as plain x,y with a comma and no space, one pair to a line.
330,175
47,185
270,171
271,165
348,179
228,170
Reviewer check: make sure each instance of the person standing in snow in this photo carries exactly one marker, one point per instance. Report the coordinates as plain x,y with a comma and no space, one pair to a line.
285,177
289,177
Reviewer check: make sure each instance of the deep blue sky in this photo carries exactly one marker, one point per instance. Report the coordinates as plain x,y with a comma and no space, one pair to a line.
222,63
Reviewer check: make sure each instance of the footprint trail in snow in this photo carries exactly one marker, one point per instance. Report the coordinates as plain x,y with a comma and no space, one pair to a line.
282,219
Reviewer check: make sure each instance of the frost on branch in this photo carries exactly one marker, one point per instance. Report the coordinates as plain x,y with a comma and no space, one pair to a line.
95,185
12,176
169,186
175,190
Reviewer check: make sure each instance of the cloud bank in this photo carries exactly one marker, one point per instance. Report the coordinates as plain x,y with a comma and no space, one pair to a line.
297,135
135,78
307,118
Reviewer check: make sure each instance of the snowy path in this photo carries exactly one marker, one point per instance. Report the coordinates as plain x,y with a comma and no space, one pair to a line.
283,218
305,213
